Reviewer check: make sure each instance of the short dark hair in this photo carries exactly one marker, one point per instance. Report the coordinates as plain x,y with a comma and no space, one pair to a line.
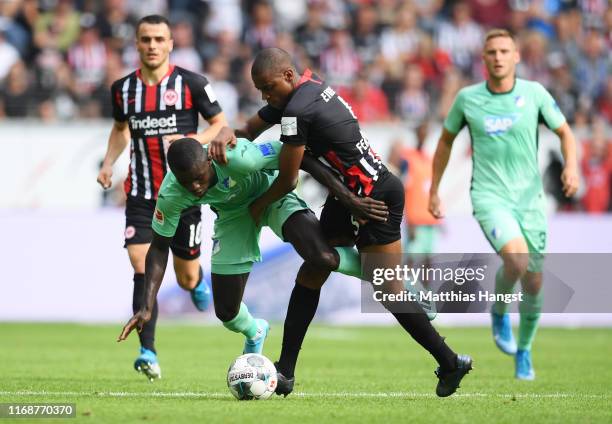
154,20
183,154
271,59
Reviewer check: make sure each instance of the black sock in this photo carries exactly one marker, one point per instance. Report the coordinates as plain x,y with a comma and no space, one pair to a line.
302,308
147,335
421,330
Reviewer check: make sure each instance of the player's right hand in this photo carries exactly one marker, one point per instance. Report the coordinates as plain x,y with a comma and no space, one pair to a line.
137,321
218,145
435,207
104,177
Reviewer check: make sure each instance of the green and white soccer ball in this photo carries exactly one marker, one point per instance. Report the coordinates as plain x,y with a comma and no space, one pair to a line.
252,376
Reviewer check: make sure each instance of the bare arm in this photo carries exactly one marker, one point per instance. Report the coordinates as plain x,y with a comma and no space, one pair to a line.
362,208
440,160
155,268
117,141
569,176
289,162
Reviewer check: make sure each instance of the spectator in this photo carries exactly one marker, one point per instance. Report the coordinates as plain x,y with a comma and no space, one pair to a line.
533,65
59,28
9,55
224,16
563,88
604,101
184,53
461,38
413,101
339,62
434,62
593,65
490,13
261,33
226,93
16,98
399,42
365,34
87,58
115,25
368,102
597,169
312,35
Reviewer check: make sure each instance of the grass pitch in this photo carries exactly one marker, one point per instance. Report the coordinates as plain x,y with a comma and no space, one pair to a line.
345,374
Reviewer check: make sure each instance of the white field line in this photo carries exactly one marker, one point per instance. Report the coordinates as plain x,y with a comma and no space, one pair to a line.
357,395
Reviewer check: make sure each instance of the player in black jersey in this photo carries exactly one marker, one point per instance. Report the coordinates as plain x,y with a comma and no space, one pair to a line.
153,102
316,121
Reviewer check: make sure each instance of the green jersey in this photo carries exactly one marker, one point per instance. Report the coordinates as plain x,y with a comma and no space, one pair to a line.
250,171
504,132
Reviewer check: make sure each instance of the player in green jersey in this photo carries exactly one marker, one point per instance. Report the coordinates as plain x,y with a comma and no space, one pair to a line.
196,180
502,115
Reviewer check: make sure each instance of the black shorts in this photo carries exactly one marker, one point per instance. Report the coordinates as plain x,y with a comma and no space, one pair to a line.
186,241
337,221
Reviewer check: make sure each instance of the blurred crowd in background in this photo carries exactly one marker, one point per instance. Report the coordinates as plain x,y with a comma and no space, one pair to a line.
392,60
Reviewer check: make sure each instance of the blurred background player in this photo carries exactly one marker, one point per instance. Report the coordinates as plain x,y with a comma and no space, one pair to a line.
502,114
157,100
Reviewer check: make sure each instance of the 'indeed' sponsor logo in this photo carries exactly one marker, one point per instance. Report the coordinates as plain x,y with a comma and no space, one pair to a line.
151,123
495,125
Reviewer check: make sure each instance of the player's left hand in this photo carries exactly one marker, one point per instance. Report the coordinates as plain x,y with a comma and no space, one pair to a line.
570,180
256,212
366,209
136,322
216,150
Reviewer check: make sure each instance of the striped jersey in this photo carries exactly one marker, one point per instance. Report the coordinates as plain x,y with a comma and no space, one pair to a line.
152,111
317,117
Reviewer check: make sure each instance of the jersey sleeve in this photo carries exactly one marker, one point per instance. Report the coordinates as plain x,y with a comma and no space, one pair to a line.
270,114
548,110
117,101
294,125
455,120
168,209
203,95
248,157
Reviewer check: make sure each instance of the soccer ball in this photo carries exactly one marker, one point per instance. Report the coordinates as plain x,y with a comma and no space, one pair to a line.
252,376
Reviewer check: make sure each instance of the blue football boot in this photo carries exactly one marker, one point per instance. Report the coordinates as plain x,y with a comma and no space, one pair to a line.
201,295
147,364
524,367
256,344
502,333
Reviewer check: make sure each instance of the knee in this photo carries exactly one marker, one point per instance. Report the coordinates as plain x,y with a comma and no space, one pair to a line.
188,280
226,313
324,261
515,266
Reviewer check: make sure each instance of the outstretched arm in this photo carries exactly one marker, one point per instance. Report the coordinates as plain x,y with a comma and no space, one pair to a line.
227,136
155,267
362,208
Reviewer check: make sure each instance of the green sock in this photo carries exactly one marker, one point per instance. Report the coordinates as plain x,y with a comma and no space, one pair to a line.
243,322
530,309
350,262
502,286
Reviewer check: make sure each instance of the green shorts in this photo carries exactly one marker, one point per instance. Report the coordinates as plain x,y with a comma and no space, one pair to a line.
236,237
502,224
424,241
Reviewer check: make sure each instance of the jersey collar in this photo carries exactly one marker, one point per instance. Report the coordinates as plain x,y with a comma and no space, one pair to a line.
505,92
139,75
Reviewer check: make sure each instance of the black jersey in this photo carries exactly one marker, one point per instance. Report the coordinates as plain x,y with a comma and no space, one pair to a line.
319,118
170,107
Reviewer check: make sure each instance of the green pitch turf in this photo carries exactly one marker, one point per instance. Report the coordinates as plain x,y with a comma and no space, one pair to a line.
345,374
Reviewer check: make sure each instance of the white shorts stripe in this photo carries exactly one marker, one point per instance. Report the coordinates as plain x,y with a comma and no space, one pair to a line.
133,169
